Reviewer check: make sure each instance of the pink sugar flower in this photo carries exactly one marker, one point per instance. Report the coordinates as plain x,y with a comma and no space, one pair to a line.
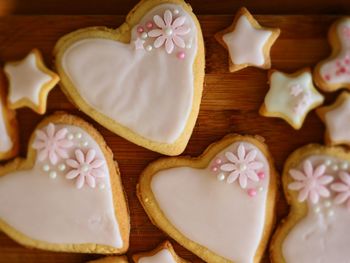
310,182
242,166
51,144
343,189
86,168
169,31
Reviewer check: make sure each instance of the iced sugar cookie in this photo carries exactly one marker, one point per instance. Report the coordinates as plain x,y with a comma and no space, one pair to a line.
67,194
142,81
291,97
220,205
120,259
334,72
336,118
164,253
30,81
9,141
247,42
316,180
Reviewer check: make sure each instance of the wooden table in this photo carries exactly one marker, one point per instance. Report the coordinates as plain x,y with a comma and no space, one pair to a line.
230,101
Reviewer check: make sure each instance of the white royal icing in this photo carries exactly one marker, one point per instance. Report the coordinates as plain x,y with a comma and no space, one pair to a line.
323,235
337,70
337,121
219,216
246,43
292,96
149,92
26,79
44,205
5,140
163,256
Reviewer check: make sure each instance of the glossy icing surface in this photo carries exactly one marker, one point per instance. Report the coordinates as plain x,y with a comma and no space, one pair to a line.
337,70
293,97
323,235
163,256
246,43
44,205
26,80
337,121
205,209
142,87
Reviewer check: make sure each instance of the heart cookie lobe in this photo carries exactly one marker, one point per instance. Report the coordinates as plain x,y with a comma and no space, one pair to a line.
142,81
67,195
220,205
316,181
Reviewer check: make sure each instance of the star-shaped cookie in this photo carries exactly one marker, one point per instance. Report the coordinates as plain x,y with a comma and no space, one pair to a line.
30,81
336,117
247,42
291,96
163,253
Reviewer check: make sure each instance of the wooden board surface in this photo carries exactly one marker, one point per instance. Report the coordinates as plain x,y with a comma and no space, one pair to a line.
230,105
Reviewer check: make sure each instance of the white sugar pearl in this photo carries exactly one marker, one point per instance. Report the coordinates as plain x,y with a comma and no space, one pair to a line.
53,174
330,213
78,135
328,162
176,11
221,177
335,167
261,189
85,168
327,203
188,45
149,48
144,35
46,168
317,209
61,167
85,143
101,186
344,165
70,136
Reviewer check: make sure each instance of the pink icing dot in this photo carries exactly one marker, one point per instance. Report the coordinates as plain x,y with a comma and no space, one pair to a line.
218,161
149,24
327,77
140,29
261,175
252,192
214,169
181,55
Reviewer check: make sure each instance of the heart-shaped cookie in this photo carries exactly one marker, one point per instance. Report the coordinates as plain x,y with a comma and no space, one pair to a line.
142,81
316,180
67,194
220,205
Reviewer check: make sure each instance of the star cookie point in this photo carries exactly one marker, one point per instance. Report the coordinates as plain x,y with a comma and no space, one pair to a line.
247,42
336,118
30,81
291,97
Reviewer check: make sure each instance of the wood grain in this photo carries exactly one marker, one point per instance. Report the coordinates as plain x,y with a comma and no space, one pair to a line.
230,105
112,7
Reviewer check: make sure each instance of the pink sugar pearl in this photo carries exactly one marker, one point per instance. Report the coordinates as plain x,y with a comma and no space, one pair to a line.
261,175
149,24
214,169
218,161
181,55
252,192
140,29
